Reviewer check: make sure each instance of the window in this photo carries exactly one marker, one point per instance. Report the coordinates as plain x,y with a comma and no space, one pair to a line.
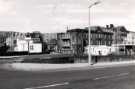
99,35
105,36
102,35
15,41
91,35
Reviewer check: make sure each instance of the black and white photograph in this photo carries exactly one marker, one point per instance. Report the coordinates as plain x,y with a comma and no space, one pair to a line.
67,44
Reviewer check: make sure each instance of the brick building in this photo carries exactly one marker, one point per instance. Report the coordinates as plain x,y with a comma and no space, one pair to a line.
64,43
119,34
76,40
129,43
49,42
79,41
101,36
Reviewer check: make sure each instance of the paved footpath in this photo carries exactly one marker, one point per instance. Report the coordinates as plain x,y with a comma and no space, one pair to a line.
62,67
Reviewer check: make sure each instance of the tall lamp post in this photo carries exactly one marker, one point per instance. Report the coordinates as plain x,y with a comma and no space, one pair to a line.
89,33
28,41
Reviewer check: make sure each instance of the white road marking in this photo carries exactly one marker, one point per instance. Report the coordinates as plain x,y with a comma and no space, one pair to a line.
105,77
46,86
123,74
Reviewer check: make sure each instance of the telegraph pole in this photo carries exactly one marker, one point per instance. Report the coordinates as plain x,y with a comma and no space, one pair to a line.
89,32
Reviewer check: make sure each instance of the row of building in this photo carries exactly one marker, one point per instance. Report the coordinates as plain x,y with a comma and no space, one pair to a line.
104,40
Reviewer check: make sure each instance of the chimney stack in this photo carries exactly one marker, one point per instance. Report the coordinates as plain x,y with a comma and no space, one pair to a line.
107,26
111,25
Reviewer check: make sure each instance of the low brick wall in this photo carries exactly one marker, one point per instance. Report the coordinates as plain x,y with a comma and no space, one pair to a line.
109,58
49,58
63,58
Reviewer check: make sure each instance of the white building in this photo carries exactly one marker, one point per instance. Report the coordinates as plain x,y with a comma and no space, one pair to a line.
35,48
130,39
127,46
23,45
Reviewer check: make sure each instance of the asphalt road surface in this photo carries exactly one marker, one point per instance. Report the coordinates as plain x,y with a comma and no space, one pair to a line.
121,77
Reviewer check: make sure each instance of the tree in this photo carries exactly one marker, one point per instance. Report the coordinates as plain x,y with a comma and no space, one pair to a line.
3,49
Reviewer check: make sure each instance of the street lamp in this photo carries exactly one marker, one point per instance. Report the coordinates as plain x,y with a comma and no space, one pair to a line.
28,41
89,33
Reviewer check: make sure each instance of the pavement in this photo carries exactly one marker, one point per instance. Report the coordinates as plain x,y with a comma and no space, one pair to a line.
62,67
121,76
9,56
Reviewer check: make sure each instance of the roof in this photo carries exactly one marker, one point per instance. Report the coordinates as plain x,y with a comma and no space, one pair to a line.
121,28
100,29
77,30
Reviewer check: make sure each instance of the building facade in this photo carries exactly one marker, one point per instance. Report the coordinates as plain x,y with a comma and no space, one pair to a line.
119,34
21,42
101,40
50,41
101,36
129,43
64,43
12,39
76,40
5,34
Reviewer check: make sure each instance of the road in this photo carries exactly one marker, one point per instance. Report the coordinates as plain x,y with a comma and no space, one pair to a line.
120,77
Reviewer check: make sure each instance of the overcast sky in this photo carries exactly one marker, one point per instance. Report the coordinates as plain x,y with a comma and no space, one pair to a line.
56,15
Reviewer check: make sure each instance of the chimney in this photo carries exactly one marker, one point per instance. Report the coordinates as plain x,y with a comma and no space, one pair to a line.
107,26
111,26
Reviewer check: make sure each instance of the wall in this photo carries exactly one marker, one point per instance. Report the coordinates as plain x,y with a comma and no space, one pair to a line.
99,50
35,48
22,45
